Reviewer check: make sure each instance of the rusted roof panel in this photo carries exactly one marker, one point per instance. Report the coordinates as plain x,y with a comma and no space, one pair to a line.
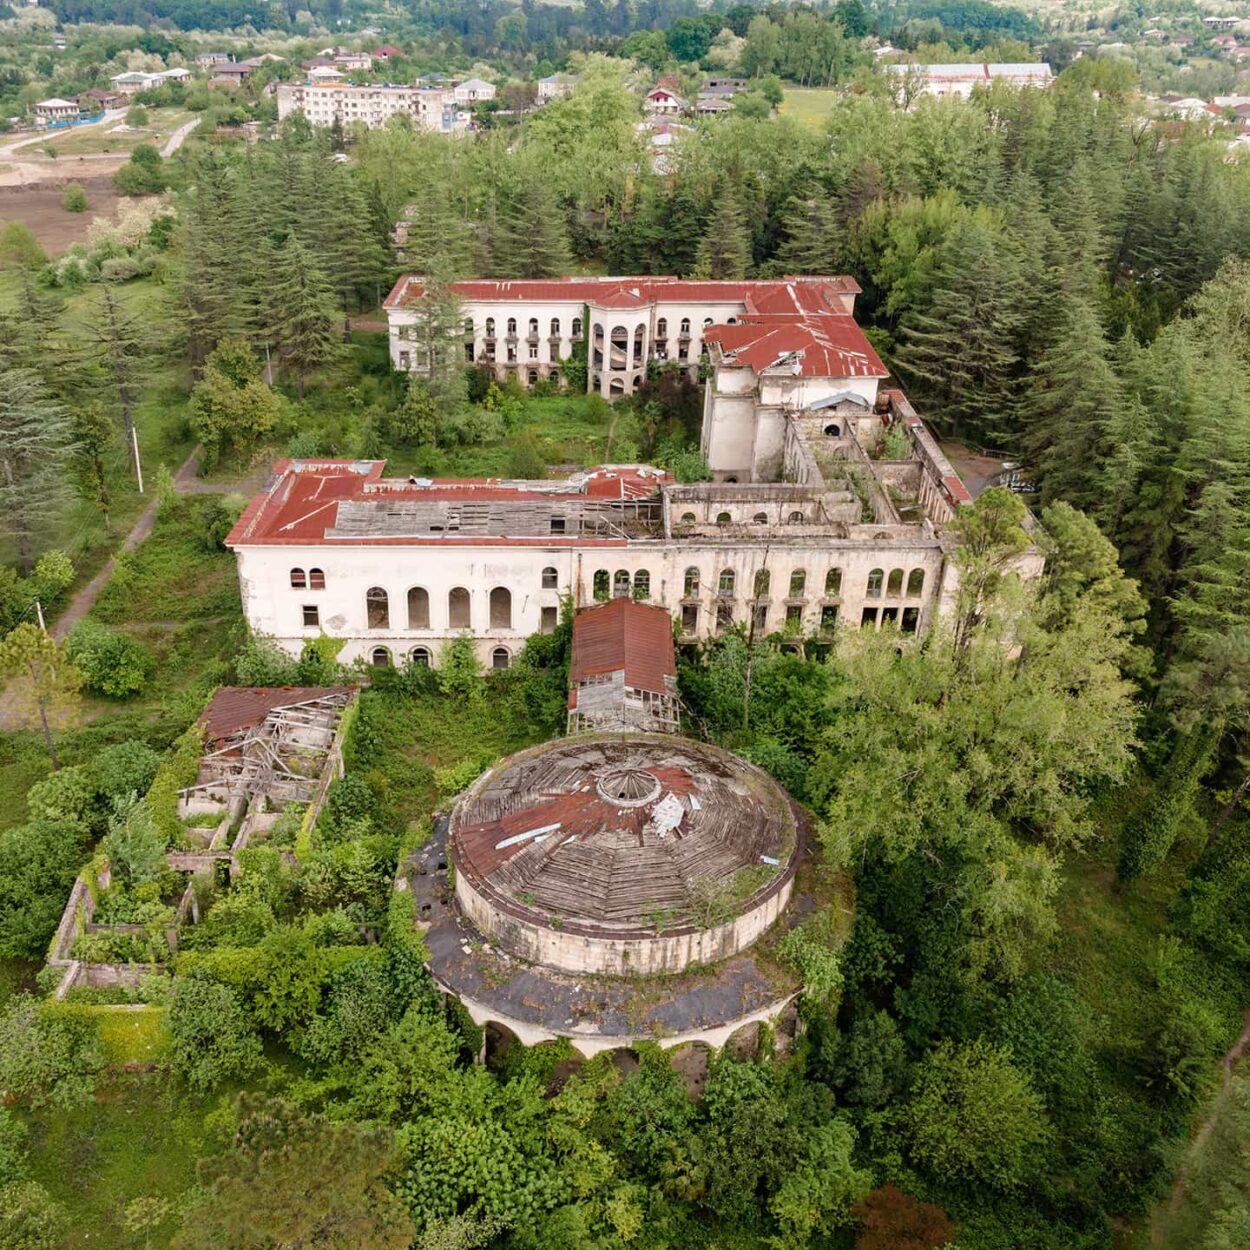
232,709
624,634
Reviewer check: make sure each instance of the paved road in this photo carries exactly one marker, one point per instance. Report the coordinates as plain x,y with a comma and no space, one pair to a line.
176,139
110,115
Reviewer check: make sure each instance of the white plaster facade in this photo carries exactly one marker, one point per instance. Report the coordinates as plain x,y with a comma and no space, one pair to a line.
431,108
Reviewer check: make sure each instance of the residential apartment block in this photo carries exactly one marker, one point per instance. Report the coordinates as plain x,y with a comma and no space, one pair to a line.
432,108
831,503
959,80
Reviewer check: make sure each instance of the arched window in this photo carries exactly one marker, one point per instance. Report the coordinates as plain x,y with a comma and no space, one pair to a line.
760,518
458,608
661,328
691,587
620,584
725,586
380,657
707,321
533,327
763,583
555,327
685,325
490,327
602,584
895,585
298,581
688,518
833,430
833,582
419,657
875,578
533,376
316,579
798,583
418,608
795,518
499,658
733,321
723,518
642,584
915,583
511,325
377,608
501,608
639,338
577,328
551,579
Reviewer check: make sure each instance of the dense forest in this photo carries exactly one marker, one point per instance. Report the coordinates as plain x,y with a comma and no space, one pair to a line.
1058,772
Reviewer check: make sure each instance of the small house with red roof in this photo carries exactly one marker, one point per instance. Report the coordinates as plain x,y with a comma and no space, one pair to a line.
622,670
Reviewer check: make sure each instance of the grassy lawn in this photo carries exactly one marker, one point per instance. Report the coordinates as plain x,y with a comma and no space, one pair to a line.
809,105
140,1137
84,140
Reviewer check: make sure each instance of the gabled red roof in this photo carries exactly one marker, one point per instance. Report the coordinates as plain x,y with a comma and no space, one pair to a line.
822,346
623,634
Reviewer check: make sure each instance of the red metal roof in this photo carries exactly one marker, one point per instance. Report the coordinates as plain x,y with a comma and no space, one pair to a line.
232,709
623,634
824,345
300,504
817,293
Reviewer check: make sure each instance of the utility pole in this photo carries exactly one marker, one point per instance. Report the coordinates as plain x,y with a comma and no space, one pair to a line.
39,614
134,445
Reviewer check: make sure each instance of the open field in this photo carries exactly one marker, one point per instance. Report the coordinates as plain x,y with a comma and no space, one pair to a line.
114,137
809,105
38,205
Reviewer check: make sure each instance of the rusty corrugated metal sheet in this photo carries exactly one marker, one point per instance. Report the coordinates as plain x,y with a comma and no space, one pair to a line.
624,634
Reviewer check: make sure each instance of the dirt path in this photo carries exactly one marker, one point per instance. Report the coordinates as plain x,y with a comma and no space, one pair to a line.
185,483
1239,1049
176,139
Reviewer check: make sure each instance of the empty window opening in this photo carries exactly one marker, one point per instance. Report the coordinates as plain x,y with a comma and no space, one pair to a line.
620,584
794,616
760,518
911,620
873,590
894,587
551,579
501,608
795,518
419,657
833,583
798,583
690,618
915,583
602,584
723,518
377,608
759,618
499,658
763,583
380,658
418,608
833,430
458,608
549,618
868,617
828,616
642,584
726,584
724,615
691,587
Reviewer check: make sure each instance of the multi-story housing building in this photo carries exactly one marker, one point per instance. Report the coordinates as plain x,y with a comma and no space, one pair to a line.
525,329
432,108
830,506
555,87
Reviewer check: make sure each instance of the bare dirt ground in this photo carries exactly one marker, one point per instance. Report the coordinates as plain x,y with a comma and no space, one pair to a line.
38,203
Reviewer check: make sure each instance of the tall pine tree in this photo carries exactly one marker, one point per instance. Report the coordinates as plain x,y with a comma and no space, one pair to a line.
302,311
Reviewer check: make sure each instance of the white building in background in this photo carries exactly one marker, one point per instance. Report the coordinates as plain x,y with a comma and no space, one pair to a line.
431,108
525,329
474,91
959,80
49,112
830,506
555,87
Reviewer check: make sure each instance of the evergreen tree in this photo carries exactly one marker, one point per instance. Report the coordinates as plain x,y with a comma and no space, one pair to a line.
35,447
725,249
531,240
45,679
92,434
439,342
121,352
959,351
346,247
813,236
1072,395
302,311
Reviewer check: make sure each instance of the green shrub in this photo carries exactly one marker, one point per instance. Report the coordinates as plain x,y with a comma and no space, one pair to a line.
211,1036
29,1219
112,664
49,1053
75,199
12,1148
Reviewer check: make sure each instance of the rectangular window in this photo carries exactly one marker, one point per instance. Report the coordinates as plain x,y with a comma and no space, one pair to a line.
829,616
759,618
690,618
404,360
911,619
724,615
533,351
468,353
312,618
794,616
549,618
889,614
869,618
557,525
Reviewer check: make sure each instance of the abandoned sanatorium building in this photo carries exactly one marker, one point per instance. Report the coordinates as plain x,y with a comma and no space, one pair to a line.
829,505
